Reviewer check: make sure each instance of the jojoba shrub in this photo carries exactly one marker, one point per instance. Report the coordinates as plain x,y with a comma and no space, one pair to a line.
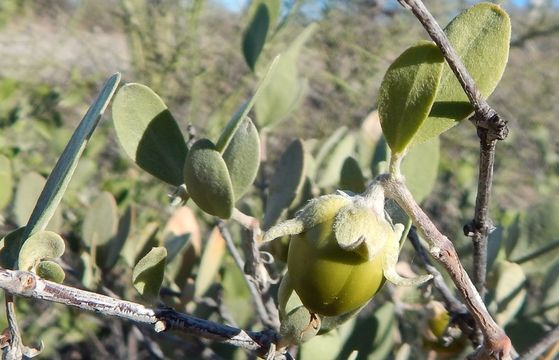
279,248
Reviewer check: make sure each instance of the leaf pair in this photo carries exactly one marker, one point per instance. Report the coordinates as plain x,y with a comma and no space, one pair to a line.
420,97
215,180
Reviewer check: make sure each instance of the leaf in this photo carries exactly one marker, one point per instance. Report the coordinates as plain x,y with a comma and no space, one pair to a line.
329,169
182,239
148,133
101,221
207,179
148,273
9,247
111,251
42,245
60,176
481,37
284,90
6,181
407,93
210,262
50,270
242,157
420,168
236,294
255,35
286,182
351,177
509,291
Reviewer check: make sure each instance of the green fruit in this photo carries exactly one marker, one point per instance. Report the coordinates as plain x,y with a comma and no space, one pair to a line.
331,281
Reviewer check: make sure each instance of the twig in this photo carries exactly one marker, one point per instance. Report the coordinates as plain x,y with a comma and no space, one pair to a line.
485,117
496,343
545,343
481,226
458,311
490,128
29,285
14,348
256,296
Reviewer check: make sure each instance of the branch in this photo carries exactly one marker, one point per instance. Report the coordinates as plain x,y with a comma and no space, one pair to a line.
485,116
490,128
496,343
458,311
29,285
546,342
261,309
481,226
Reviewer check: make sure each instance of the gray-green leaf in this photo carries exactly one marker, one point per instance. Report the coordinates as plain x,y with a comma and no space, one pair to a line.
407,93
41,245
481,37
148,133
420,168
255,35
207,179
242,157
148,273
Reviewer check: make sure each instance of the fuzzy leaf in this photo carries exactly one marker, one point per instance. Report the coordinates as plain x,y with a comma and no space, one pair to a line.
351,177
6,181
284,90
420,168
50,270
481,36
148,133
255,35
210,262
407,93
286,182
242,157
207,179
148,273
41,245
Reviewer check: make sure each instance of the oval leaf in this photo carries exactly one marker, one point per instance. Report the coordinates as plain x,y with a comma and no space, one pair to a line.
255,35
481,37
510,291
148,132
101,221
286,183
9,247
6,181
242,157
420,168
207,179
329,169
284,90
148,273
42,245
49,270
407,93
27,193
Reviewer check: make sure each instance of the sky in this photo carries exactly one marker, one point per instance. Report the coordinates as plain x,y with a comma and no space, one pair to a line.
239,4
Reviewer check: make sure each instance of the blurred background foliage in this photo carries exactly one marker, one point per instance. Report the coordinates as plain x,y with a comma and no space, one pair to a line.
55,53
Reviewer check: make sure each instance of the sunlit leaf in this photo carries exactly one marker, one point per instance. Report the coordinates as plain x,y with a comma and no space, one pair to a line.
242,157
148,273
407,93
481,37
207,179
42,245
420,168
50,270
148,133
